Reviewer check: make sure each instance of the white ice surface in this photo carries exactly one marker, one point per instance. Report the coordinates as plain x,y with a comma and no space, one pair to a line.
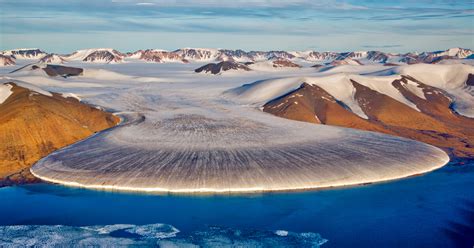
66,95
32,87
5,92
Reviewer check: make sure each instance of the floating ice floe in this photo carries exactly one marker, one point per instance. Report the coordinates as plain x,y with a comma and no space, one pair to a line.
161,235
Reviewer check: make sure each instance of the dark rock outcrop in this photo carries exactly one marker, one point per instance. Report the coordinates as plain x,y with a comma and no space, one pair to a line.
470,80
63,71
214,68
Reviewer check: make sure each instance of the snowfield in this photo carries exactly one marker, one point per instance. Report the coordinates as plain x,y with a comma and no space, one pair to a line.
187,132
5,92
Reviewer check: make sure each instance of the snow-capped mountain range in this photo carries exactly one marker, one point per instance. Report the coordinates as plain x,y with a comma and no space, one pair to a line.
186,55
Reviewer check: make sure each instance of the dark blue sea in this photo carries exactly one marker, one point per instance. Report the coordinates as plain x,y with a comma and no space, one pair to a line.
431,210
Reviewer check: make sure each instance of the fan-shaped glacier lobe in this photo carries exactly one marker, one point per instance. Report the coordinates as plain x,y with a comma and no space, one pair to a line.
210,148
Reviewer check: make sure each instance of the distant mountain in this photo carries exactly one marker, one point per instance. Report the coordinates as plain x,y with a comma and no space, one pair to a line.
6,60
281,62
25,53
99,55
457,52
185,55
197,54
159,56
346,61
373,56
52,59
221,67
313,56
327,58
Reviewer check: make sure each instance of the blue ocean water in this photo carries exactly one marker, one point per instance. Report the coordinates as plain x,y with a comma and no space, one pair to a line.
431,210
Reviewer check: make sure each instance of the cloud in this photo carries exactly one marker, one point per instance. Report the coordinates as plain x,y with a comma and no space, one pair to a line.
322,4
145,4
293,22
381,46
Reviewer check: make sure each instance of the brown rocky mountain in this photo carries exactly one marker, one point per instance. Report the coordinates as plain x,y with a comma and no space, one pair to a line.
435,123
34,124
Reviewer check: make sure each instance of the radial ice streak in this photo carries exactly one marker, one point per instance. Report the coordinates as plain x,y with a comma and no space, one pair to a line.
204,145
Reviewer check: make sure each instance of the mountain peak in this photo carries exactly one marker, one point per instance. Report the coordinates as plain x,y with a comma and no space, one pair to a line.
189,54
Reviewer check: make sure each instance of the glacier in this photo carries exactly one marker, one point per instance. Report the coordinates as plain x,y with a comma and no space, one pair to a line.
182,132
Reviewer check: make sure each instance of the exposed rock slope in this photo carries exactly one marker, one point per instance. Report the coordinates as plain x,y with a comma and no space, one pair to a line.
34,124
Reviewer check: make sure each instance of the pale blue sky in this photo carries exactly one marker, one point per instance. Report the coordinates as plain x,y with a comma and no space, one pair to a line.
127,25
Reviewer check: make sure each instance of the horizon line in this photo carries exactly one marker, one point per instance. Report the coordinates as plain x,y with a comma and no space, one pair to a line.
232,49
